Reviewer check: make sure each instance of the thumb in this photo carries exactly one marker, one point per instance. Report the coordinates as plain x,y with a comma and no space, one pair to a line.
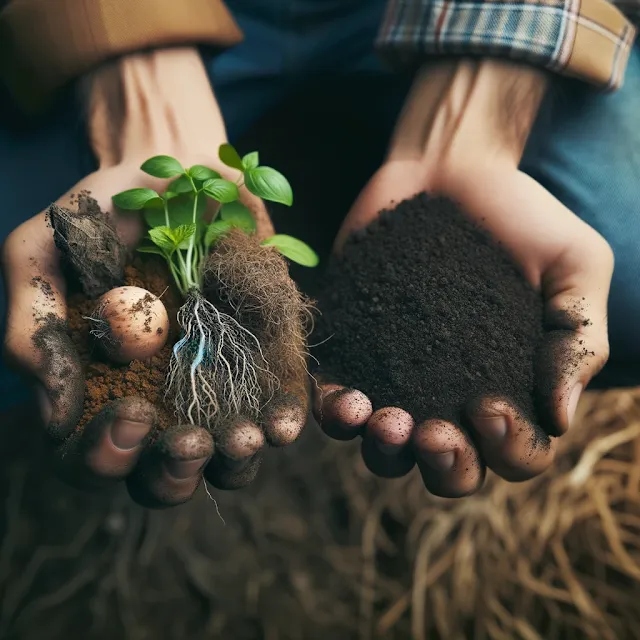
575,345
36,340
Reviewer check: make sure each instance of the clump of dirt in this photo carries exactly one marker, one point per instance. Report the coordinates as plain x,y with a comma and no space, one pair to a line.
424,311
106,381
89,244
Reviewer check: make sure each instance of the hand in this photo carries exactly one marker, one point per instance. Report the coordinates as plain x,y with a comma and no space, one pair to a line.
115,446
475,164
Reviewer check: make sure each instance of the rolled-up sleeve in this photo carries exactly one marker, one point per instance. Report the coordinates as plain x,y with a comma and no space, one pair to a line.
46,43
588,39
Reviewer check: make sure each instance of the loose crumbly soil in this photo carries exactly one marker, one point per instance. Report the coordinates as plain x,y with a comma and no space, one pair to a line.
424,311
106,381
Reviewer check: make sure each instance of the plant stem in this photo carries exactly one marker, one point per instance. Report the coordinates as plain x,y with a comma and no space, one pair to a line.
185,270
192,241
177,277
166,213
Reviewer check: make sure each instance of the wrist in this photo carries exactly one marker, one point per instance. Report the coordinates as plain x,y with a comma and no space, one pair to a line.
466,116
152,103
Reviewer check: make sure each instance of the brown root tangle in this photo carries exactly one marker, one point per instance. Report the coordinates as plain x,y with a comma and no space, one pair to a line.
253,282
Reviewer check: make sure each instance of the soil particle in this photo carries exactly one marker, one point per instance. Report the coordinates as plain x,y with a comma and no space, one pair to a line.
37,282
89,244
425,312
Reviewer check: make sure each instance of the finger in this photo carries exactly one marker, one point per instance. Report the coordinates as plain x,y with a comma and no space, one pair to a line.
283,419
344,412
386,465
36,340
239,443
384,446
108,447
169,469
390,429
510,444
449,463
320,392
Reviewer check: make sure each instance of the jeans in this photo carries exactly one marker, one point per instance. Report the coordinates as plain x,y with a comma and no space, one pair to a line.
585,147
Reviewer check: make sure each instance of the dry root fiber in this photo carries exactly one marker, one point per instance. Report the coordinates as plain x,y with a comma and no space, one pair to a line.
254,283
321,550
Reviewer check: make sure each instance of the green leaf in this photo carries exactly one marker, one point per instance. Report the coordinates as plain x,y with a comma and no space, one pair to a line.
215,231
239,216
182,235
251,161
269,184
221,190
162,167
200,172
181,209
293,249
163,238
154,217
180,185
230,157
134,199
151,249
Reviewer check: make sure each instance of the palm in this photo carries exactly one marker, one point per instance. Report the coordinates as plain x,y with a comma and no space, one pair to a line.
114,445
561,256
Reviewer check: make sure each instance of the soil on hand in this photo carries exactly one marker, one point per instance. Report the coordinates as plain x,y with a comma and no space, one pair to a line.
106,381
425,312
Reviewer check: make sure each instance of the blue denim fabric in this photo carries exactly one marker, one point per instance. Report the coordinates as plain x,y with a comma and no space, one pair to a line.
585,148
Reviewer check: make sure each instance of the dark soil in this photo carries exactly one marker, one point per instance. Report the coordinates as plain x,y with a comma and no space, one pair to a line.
424,311
106,381
90,246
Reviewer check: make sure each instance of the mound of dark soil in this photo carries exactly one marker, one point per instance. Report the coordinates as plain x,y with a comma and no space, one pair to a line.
424,311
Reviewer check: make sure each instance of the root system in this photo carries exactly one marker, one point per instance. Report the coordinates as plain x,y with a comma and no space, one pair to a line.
254,283
216,368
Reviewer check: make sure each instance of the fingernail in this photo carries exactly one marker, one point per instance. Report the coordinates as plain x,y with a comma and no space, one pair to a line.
127,435
491,428
573,402
44,403
440,461
184,469
388,449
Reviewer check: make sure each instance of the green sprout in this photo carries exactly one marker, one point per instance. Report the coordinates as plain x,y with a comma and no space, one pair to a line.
178,230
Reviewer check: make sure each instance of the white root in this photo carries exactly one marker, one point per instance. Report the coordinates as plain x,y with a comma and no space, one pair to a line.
217,368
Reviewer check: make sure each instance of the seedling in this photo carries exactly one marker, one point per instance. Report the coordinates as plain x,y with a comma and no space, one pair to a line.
178,230
217,366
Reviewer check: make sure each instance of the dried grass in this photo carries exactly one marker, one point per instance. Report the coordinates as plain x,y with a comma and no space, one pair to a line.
320,549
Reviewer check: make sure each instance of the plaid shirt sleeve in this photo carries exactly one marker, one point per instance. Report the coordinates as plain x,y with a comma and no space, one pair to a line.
588,39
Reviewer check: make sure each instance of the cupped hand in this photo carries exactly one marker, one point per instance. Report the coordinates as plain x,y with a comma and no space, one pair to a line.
568,261
117,444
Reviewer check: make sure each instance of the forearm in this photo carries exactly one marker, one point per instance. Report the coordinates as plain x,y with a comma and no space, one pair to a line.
464,115
152,103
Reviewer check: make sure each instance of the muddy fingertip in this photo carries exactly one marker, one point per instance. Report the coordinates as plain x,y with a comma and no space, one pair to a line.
284,419
238,438
348,407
